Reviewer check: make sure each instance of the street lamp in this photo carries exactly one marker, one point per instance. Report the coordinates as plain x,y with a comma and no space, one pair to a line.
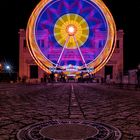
8,67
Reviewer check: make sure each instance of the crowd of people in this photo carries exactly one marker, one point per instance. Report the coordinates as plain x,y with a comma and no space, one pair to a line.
81,77
62,77
54,77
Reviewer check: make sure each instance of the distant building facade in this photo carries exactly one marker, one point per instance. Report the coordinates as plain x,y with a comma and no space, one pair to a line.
30,72
113,70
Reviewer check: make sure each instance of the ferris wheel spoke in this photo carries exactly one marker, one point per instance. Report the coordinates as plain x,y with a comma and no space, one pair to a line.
64,47
80,51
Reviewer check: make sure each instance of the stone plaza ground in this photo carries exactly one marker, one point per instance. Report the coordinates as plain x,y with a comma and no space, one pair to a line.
22,105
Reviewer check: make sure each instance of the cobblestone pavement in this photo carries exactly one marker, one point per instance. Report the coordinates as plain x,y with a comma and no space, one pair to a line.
21,105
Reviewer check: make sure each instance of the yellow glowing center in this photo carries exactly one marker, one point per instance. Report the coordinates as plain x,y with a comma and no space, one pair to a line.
71,31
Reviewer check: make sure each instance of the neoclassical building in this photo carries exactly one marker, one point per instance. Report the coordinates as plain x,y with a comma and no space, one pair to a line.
114,68
28,69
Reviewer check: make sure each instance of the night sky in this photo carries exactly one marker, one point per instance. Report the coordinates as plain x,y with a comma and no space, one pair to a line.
126,15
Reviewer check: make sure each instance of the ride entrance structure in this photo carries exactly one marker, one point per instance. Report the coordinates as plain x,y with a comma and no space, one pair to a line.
71,33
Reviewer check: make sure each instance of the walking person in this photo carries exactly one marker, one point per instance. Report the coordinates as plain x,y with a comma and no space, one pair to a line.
52,77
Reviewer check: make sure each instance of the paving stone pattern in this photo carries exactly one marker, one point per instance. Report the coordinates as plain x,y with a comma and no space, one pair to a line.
22,105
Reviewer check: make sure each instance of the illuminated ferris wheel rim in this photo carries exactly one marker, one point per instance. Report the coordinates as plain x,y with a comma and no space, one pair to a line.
45,63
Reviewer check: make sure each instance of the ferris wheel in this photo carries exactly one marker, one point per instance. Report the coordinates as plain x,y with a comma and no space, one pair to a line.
63,33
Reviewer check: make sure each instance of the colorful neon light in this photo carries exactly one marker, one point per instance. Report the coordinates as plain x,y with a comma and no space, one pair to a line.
81,33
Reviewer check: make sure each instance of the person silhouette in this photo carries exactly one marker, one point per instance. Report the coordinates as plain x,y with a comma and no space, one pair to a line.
52,77
138,76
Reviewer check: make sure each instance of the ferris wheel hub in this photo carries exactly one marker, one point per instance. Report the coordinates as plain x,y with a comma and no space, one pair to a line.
71,30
